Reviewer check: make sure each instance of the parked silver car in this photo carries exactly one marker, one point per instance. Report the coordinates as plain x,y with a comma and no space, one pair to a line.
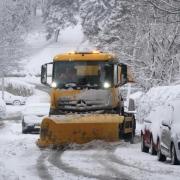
12,99
169,140
32,117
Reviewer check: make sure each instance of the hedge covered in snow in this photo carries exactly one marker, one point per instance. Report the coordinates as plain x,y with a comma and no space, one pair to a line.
18,87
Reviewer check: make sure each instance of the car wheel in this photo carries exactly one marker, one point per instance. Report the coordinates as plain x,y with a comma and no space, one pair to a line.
174,159
143,147
16,103
160,156
24,131
152,150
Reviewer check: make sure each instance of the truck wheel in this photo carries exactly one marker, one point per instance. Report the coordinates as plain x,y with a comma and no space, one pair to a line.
143,147
174,159
160,156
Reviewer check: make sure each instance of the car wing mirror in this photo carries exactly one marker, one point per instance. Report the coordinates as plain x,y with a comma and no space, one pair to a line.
165,123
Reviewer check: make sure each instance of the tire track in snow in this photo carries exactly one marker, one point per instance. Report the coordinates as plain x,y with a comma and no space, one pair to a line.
2,125
55,159
114,159
105,161
109,157
42,168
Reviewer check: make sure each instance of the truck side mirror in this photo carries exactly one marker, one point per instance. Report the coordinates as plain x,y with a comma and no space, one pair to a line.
124,74
44,74
166,123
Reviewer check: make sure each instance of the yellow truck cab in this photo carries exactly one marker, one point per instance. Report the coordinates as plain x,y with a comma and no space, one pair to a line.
86,82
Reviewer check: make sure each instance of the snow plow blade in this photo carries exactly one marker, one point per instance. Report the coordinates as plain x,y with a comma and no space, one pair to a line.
80,129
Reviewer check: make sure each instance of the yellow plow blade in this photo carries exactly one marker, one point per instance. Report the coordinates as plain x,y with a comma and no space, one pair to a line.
80,129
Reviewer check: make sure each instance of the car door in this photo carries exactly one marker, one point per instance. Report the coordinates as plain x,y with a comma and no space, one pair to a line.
166,129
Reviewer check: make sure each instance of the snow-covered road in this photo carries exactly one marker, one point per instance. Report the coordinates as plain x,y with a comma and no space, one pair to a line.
21,159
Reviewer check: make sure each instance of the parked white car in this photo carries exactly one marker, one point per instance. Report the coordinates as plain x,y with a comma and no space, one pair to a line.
32,117
12,99
169,140
2,109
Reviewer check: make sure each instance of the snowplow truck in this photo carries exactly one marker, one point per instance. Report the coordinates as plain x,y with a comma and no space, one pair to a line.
86,103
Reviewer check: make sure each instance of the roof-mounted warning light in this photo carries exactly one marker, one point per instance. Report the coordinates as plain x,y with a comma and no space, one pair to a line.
95,52
72,52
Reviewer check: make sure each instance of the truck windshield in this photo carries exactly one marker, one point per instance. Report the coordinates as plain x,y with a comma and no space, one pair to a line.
83,74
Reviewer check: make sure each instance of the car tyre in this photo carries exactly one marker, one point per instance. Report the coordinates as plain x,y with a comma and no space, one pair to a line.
143,147
152,150
24,131
16,103
160,156
174,159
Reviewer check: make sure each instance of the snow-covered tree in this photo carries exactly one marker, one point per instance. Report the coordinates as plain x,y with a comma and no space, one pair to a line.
139,33
14,21
58,15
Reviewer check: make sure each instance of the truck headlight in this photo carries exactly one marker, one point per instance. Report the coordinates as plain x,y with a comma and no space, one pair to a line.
53,84
106,85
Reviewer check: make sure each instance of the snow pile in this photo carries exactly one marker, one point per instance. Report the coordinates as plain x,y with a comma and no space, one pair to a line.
95,144
18,87
156,96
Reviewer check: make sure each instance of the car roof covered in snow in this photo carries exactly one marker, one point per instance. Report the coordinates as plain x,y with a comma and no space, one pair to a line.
37,108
